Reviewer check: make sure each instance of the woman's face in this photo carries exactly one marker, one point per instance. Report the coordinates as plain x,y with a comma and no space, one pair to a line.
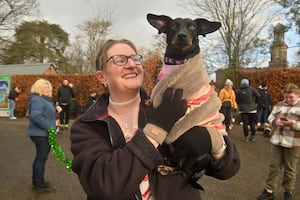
125,78
45,90
290,98
228,87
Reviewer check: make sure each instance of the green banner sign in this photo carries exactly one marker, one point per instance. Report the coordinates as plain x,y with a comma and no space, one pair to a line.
5,86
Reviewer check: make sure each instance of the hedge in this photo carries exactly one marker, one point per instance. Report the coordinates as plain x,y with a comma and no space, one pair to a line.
276,79
82,86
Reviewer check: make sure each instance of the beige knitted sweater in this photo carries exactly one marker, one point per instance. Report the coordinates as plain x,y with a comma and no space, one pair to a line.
203,102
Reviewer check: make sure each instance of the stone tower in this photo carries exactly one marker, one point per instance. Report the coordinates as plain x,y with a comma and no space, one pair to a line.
279,48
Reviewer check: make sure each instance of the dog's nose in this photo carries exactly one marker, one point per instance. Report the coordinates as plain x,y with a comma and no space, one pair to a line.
181,36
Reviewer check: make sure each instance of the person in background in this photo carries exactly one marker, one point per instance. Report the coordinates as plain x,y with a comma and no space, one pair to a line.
12,99
285,140
263,105
92,99
64,99
227,97
42,113
246,97
118,144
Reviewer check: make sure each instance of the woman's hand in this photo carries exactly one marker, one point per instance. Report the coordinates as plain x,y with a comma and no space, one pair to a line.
58,109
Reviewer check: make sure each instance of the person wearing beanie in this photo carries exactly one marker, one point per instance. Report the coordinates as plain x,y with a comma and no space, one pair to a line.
246,97
227,98
244,81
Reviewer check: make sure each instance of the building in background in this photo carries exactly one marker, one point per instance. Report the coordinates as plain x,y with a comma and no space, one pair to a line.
6,73
279,48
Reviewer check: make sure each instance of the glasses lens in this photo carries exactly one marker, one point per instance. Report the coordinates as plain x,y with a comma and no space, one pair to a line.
120,59
136,58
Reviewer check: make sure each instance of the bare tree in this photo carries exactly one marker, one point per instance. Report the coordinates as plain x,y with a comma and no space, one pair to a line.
76,57
244,31
12,12
93,32
89,38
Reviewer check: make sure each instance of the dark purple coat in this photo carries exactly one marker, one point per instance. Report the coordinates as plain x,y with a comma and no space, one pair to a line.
111,169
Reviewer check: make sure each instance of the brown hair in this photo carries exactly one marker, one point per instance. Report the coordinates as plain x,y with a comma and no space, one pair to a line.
102,54
291,88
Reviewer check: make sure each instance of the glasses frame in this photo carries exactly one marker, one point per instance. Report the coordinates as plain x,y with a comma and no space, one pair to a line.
137,61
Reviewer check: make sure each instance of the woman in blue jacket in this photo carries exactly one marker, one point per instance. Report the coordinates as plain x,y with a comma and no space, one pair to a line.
42,114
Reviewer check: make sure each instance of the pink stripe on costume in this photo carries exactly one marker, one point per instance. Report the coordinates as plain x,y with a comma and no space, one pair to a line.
201,95
209,119
165,70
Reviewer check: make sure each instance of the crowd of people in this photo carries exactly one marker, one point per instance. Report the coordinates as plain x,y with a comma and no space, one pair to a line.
256,110
120,128
253,106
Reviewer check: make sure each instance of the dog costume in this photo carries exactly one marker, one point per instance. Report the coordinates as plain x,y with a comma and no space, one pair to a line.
203,102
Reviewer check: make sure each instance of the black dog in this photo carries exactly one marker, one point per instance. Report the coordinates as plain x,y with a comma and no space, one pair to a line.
191,150
182,34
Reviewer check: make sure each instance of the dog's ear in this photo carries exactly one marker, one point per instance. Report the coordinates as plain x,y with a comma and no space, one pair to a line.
204,26
159,22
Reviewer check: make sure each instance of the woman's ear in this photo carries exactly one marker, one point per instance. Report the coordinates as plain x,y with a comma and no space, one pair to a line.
101,78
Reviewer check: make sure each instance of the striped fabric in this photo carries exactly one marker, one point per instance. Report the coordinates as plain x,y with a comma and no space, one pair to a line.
288,136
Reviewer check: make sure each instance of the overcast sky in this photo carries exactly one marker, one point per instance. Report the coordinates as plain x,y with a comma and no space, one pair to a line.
129,17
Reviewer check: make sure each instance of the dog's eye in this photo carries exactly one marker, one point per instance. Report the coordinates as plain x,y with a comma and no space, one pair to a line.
192,27
174,26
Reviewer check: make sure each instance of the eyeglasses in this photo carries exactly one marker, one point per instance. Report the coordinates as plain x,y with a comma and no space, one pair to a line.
123,59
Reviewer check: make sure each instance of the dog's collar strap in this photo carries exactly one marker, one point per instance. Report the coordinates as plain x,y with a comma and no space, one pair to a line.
173,61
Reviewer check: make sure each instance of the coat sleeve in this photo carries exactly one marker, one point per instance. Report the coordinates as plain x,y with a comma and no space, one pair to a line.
233,100
107,173
36,108
221,95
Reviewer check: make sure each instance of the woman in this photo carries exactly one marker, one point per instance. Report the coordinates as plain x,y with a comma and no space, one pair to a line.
227,97
285,120
42,114
116,149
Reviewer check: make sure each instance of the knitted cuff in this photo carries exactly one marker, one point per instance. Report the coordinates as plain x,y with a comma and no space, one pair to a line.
155,132
217,141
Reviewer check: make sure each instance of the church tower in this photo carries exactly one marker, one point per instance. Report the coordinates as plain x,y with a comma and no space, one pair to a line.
279,48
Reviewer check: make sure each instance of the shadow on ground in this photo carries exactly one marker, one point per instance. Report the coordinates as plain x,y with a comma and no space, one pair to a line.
17,152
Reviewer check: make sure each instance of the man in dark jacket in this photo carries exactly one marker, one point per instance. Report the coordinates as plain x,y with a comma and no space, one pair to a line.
246,98
263,105
92,99
64,98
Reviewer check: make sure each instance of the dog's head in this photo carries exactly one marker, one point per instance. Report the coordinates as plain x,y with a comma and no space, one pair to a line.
182,34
